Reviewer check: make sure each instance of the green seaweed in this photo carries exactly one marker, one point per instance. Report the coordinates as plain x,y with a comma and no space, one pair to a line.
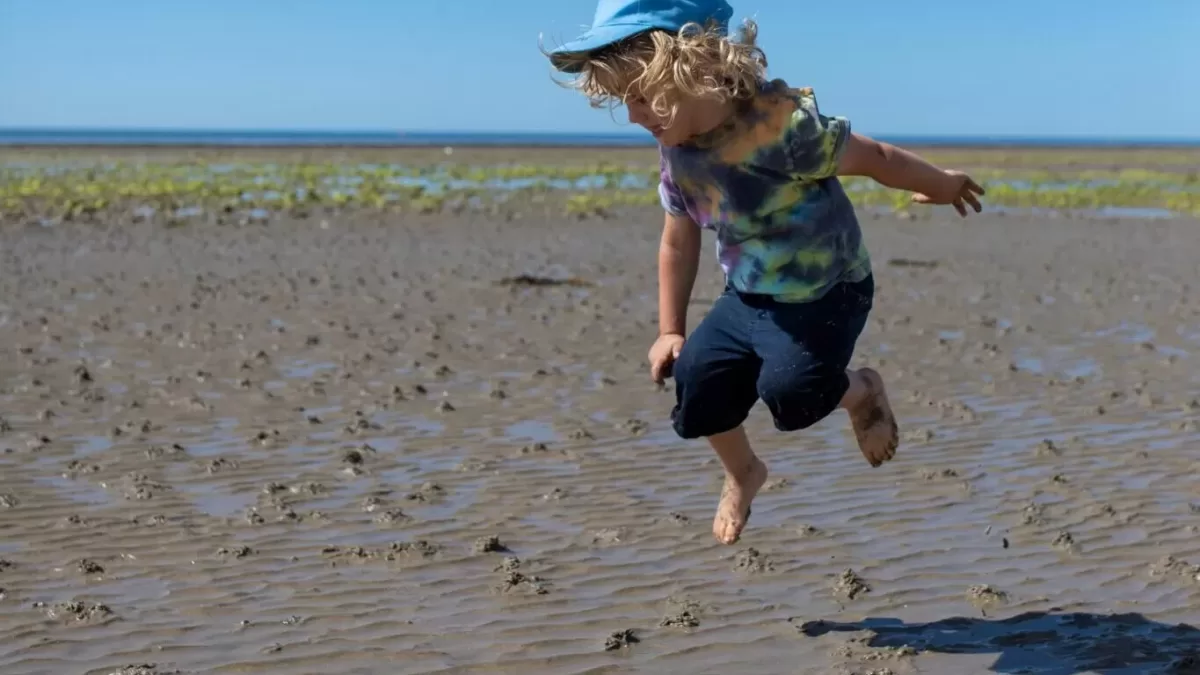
180,188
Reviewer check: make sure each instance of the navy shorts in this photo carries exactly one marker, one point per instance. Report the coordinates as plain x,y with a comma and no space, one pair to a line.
791,355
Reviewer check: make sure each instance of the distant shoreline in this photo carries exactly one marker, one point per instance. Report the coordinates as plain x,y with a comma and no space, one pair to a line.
18,139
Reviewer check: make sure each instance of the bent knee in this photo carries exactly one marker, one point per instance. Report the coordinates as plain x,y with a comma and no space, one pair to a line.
711,397
799,398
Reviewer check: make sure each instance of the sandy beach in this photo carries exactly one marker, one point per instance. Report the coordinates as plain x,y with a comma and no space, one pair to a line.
361,442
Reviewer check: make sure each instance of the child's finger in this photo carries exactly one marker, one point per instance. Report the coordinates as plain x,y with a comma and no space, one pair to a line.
958,206
973,201
975,187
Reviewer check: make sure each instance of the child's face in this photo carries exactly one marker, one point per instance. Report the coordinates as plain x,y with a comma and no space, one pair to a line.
692,117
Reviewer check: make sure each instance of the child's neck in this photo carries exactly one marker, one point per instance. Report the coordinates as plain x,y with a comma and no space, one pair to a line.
710,117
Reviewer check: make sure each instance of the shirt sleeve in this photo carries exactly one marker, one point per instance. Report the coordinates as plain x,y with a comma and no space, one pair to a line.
813,143
669,193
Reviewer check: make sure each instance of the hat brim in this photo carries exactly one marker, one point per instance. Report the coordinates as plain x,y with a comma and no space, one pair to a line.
592,40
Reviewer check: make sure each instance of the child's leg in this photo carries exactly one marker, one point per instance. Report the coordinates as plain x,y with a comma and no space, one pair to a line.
804,376
715,378
745,474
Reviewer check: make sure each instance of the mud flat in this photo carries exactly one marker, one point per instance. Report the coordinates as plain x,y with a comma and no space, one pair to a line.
366,442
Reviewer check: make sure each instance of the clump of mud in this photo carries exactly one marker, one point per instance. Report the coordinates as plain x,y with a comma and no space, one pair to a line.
392,516
419,547
683,615
390,553
984,596
1047,448
634,427
75,611
620,640
1170,566
752,561
143,669
86,566
1033,514
509,564
776,484
859,648
428,492
489,544
608,536
513,580
237,552
850,585
1065,542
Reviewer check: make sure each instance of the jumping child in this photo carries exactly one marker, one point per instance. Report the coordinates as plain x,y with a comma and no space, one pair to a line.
755,161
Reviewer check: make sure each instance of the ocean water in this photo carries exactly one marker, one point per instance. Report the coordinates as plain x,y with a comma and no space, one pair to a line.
247,138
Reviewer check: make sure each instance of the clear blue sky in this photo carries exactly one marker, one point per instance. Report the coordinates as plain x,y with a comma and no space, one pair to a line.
1017,67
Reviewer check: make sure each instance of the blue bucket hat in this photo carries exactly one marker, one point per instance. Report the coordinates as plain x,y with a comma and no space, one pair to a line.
617,20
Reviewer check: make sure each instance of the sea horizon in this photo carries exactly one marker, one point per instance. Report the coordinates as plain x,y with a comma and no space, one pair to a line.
30,137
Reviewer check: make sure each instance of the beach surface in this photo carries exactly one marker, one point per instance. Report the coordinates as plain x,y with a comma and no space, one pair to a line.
428,443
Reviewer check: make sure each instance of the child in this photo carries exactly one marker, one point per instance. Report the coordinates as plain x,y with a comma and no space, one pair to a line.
757,162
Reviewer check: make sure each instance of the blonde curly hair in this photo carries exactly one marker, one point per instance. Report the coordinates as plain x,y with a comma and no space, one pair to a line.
666,68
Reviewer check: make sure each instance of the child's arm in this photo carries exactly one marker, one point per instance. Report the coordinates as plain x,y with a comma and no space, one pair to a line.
903,170
678,260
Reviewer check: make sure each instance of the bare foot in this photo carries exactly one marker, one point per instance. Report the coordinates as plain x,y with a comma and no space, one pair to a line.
873,421
736,495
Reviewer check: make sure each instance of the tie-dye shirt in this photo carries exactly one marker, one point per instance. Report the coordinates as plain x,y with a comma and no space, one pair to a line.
766,183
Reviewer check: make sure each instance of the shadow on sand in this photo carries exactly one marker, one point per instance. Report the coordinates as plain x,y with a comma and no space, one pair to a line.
1042,643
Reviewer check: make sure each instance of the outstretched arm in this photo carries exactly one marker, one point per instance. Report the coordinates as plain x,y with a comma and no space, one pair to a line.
903,170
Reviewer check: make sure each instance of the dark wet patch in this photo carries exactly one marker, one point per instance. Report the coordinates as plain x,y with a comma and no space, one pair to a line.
530,280
911,263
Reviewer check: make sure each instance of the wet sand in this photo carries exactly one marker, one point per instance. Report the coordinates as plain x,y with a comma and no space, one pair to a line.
350,445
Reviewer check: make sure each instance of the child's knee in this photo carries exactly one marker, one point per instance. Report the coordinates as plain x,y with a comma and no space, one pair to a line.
711,397
799,398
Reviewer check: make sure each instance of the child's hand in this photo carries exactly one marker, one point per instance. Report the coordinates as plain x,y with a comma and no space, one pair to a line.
957,188
662,355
